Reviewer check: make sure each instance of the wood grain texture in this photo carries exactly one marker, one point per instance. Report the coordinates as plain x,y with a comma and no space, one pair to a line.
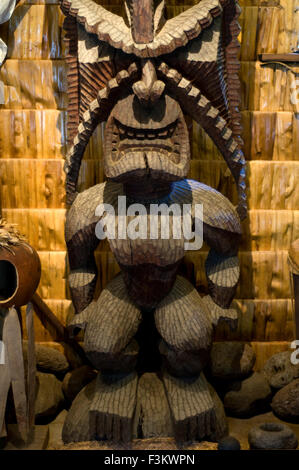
267,87
109,325
201,110
26,41
112,409
186,26
258,320
181,318
5,379
286,57
270,135
193,409
76,427
48,186
22,134
152,415
142,18
263,349
13,340
31,366
71,41
34,84
267,230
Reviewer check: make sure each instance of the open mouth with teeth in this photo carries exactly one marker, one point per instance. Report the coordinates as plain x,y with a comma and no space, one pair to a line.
152,141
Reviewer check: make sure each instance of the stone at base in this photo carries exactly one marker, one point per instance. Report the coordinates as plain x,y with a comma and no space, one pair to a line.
248,397
229,443
285,403
269,436
48,359
49,398
280,371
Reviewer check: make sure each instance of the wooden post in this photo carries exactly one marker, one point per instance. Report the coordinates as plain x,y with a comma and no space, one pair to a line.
142,17
296,294
294,269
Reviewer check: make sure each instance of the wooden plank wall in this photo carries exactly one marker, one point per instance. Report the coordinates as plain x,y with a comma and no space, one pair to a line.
33,146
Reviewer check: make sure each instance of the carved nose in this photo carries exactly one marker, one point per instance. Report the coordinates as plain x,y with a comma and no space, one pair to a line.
149,89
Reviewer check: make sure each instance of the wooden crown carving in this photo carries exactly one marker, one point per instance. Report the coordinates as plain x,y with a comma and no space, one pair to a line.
194,55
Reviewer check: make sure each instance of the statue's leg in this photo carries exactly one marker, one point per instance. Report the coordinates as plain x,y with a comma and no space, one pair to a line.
110,324
185,325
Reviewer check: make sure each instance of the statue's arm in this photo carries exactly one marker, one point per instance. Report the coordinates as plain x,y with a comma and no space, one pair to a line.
222,264
222,233
81,244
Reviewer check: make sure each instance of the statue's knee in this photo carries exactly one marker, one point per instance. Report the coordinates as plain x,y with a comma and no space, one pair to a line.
121,361
183,363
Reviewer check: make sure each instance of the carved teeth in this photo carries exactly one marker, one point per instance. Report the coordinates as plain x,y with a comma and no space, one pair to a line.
163,134
150,134
140,135
126,142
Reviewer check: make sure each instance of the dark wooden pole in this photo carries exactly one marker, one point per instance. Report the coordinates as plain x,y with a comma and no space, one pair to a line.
142,17
294,268
296,294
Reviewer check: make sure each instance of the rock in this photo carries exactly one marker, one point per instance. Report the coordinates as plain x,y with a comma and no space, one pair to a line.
231,360
272,436
49,398
280,371
48,359
285,403
76,380
248,397
229,443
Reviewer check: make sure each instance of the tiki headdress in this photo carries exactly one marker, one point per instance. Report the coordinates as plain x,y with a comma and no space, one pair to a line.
141,74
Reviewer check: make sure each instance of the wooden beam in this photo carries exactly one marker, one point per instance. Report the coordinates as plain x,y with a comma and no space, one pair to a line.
296,295
294,269
287,57
142,17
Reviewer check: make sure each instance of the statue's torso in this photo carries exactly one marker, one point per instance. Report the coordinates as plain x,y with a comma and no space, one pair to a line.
150,265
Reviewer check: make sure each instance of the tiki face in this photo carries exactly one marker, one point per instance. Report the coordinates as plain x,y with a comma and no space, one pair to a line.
146,136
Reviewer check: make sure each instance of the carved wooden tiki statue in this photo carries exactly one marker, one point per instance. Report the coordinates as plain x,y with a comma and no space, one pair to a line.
144,76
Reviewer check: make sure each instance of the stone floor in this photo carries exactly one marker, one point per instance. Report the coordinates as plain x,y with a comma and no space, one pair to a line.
49,437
